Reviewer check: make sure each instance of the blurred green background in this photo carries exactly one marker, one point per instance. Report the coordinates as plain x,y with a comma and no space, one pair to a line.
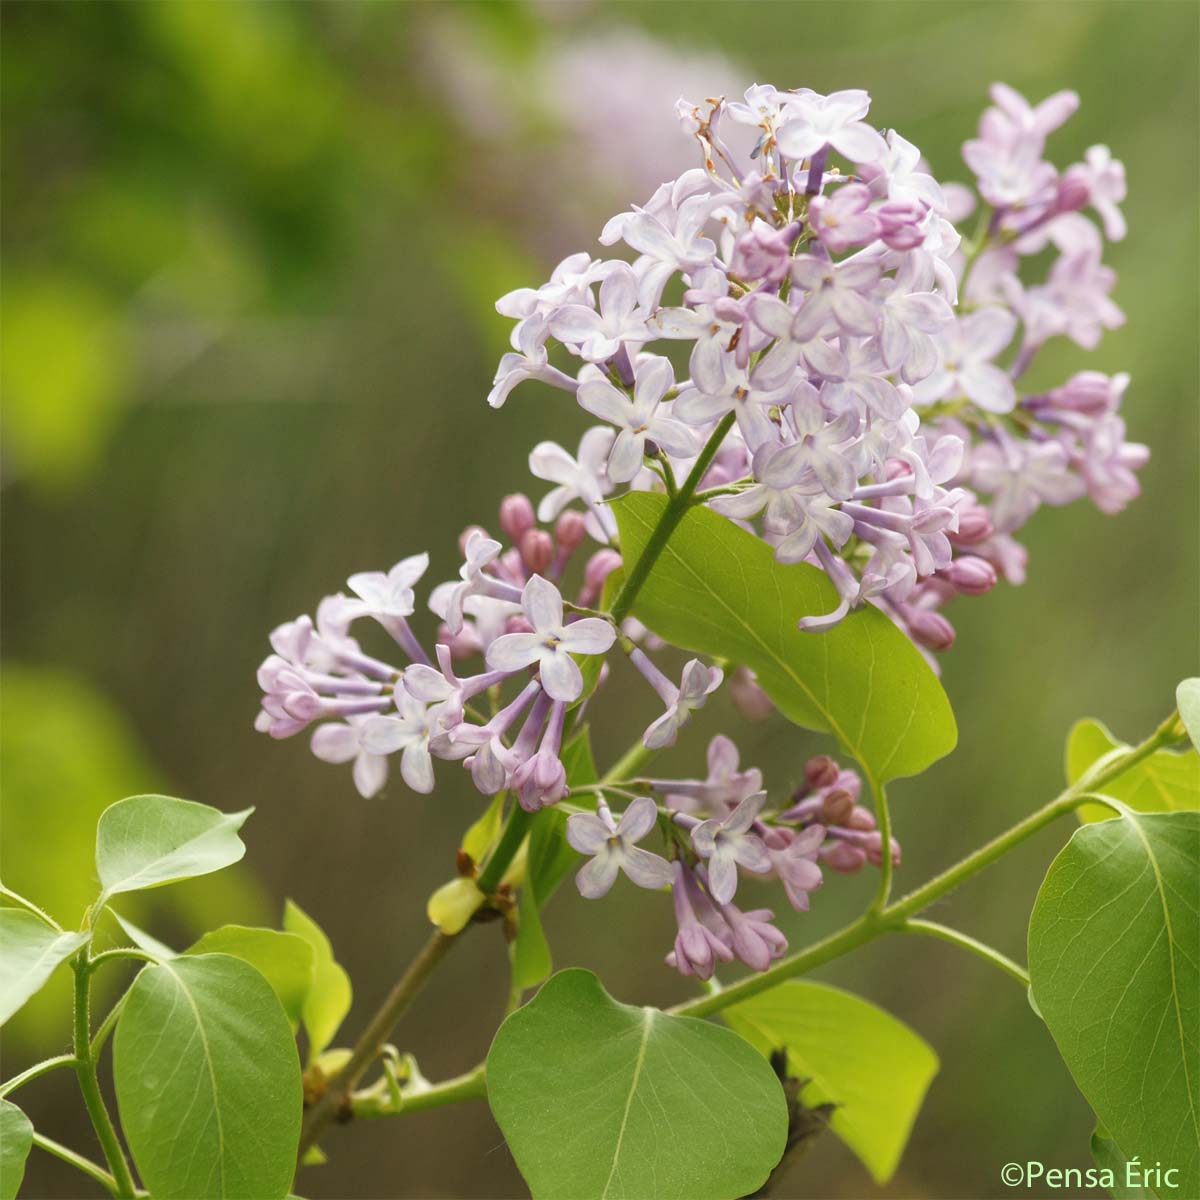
250,254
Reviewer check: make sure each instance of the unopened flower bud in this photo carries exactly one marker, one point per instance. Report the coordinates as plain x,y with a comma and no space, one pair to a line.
516,516
537,550
970,574
1074,189
517,624
974,525
764,253
599,567
837,808
1089,393
930,629
570,530
874,849
752,702
900,223
844,858
820,772
862,819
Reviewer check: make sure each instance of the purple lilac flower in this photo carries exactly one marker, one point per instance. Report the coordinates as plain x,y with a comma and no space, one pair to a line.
611,846
551,642
728,844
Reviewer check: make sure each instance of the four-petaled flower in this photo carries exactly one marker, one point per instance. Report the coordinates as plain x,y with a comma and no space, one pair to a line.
611,846
637,421
552,642
729,844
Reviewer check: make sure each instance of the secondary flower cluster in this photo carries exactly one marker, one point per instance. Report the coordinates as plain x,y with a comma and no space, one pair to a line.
715,829
505,607
869,357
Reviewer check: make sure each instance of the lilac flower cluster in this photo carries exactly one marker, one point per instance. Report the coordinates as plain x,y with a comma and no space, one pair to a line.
715,830
868,354
852,387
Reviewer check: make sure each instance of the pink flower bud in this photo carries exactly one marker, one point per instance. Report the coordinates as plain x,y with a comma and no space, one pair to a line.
1074,189
838,807
537,550
971,575
844,858
570,530
599,567
930,629
1088,392
862,819
974,525
820,772
752,702
900,223
516,516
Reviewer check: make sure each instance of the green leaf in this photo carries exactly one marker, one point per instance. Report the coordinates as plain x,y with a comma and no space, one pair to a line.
148,841
550,857
718,590
1187,697
29,951
1167,781
845,1047
16,1138
485,832
529,952
285,960
143,940
600,1099
208,1081
328,1000
1108,1157
1112,956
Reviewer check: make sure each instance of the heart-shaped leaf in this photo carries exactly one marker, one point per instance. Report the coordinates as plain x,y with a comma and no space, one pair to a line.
208,1081
600,1099
328,1000
284,960
1113,959
1166,781
29,951
148,841
844,1046
717,590
16,1138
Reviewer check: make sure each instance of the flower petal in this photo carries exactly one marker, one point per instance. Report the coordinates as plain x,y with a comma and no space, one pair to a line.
543,604
512,651
596,877
561,676
645,869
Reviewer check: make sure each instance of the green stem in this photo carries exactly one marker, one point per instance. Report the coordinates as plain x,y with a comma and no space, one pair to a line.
121,952
515,829
677,505
470,1086
106,1027
626,767
336,1097
49,1064
89,1083
974,945
98,1173
883,816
